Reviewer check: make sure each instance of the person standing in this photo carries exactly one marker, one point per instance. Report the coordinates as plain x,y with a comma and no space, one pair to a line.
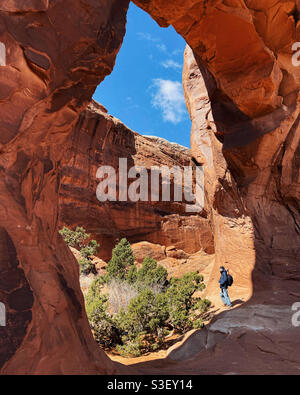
224,285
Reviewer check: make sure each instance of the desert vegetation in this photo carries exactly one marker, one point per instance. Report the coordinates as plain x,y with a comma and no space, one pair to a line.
131,308
79,240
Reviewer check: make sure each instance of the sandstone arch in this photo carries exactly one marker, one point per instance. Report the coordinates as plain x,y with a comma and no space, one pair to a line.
57,53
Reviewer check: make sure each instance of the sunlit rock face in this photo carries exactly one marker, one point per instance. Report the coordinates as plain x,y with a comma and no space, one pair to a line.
246,46
242,93
241,90
256,223
98,140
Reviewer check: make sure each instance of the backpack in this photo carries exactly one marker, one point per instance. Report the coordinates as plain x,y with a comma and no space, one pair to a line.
229,280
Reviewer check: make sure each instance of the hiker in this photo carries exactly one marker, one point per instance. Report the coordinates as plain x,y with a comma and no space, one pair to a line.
224,285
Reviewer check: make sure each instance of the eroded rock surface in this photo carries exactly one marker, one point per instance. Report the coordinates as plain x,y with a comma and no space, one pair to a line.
256,227
242,92
253,340
56,53
245,131
99,139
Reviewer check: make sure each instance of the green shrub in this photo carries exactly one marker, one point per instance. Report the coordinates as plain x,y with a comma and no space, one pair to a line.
150,275
198,324
94,297
86,266
102,324
202,305
143,324
121,262
75,238
130,349
181,301
142,305
145,314
131,277
90,249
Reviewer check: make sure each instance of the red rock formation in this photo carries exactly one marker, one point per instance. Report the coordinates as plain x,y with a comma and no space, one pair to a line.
259,226
250,69
244,104
176,261
56,53
242,95
99,139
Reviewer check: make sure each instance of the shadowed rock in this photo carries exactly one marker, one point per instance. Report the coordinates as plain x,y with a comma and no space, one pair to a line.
242,93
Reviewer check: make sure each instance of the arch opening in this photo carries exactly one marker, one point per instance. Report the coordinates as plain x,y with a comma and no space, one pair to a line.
145,88
254,184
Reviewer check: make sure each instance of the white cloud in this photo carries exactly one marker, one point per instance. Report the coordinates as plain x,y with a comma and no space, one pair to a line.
161,47
168,97
157,41
177,52
130,105
171,64
148,37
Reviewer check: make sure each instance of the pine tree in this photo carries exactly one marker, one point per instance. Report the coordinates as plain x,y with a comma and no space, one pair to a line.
121,262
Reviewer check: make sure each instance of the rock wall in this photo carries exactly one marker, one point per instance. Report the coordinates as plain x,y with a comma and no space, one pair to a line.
246,132
54,54
99,139
256,225
242,92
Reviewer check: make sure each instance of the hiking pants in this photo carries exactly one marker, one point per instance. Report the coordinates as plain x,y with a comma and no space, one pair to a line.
225,297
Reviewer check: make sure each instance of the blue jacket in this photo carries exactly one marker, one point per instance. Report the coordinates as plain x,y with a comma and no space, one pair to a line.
223,280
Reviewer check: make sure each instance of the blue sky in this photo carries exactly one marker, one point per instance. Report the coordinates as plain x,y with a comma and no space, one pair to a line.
145,88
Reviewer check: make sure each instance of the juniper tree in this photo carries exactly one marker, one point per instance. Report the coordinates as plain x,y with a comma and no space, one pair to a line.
121,261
